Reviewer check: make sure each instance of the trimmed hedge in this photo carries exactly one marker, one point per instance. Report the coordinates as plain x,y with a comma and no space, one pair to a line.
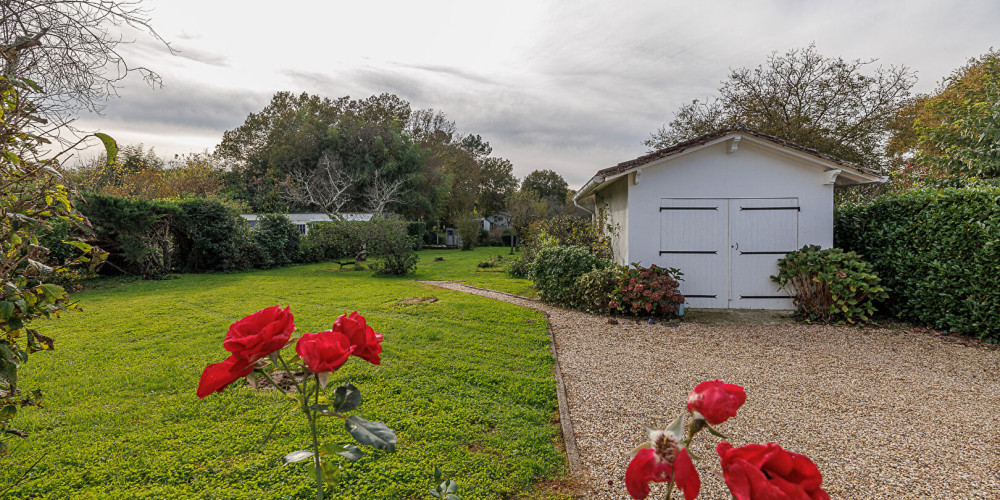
556,269
937,250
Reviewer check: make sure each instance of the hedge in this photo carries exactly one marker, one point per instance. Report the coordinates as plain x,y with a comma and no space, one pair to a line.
938,253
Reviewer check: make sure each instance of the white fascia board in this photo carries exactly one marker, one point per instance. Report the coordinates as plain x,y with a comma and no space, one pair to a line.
855,176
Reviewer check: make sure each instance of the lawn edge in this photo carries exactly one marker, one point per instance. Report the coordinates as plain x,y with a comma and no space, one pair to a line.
566,422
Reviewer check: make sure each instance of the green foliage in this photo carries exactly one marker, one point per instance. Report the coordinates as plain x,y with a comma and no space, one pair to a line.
211,236
547,185
469,228
962,136
555,270
518,266
830,285
593,289
35,203
840,107
466,382
389,243
350,242
565,230
938,251
136,233
276,241
649,290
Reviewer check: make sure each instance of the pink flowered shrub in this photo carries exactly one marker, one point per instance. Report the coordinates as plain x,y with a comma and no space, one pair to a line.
649,290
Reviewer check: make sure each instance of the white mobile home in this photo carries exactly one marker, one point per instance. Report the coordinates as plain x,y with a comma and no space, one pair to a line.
723,208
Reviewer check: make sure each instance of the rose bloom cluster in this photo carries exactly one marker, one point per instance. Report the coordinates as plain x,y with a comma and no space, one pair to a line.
267,331
751,472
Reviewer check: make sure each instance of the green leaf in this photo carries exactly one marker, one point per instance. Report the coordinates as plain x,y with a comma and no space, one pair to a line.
350,452
296,456
368,433
110,146
6,310
346,398
716,433
8,412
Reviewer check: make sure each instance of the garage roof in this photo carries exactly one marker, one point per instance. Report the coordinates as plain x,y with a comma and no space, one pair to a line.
861,174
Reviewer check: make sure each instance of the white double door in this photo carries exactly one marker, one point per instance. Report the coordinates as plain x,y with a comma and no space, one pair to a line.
728,248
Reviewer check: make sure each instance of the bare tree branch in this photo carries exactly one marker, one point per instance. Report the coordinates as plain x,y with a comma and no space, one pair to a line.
325,188
383,192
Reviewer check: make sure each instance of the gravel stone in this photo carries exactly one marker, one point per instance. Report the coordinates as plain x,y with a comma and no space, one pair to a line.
884,412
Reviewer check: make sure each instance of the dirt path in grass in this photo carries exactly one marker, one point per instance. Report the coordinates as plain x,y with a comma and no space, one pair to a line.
884,413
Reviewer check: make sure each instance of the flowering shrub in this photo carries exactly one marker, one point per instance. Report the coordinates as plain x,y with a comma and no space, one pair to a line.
592,290
751,472
648,290
255,343
830,285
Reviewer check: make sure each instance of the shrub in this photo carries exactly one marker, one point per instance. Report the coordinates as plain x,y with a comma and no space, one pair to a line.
555,270
211,236
136,233
938,250
565,230
518,266
649,290
387,239
593,289
276,241
470,229
830,285
417,230
348,242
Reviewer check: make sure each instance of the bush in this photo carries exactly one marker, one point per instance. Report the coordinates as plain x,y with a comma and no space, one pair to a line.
276,241
211,236
518,266
347,242
593,289
565,230
469,228
830,285
938,250
388,240
417,230
555,270
649,290
137,233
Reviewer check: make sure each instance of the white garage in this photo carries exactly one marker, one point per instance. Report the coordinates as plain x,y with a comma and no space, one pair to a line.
722,208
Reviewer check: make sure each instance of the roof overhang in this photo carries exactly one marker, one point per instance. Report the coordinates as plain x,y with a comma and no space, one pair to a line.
839,172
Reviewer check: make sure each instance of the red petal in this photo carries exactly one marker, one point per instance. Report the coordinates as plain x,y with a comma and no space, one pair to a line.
686,475
218,376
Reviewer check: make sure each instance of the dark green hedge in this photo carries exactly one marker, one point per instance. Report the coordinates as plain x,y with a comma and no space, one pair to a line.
938,253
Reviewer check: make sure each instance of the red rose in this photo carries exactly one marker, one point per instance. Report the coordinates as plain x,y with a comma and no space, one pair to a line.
260,333
766,471
716,401
324,351
217,376
665,460
367,343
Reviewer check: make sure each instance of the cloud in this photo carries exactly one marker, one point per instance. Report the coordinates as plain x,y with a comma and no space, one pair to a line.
570,86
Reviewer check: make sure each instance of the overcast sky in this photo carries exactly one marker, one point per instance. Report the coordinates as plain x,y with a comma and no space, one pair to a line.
570,86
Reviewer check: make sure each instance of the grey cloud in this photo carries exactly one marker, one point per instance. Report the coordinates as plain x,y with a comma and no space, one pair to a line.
184,105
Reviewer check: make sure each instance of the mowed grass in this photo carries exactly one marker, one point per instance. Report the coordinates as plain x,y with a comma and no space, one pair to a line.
465,381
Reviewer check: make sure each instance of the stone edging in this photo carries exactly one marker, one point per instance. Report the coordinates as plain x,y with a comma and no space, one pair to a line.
569,437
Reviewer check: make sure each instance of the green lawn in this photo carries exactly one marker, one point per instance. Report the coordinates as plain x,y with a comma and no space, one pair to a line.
466,382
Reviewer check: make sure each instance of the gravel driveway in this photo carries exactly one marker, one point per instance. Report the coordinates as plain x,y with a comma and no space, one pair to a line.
884,413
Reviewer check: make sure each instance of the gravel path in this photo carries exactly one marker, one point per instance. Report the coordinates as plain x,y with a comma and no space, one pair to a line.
885,413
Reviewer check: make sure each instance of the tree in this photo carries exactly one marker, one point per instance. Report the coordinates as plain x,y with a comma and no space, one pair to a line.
843,108
549,186
959,128
69,51
326,187
496,183
524,207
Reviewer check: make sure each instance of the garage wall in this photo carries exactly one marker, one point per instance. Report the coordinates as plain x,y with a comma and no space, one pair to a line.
614,200
751,172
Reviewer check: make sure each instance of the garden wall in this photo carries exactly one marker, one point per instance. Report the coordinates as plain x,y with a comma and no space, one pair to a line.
938,253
